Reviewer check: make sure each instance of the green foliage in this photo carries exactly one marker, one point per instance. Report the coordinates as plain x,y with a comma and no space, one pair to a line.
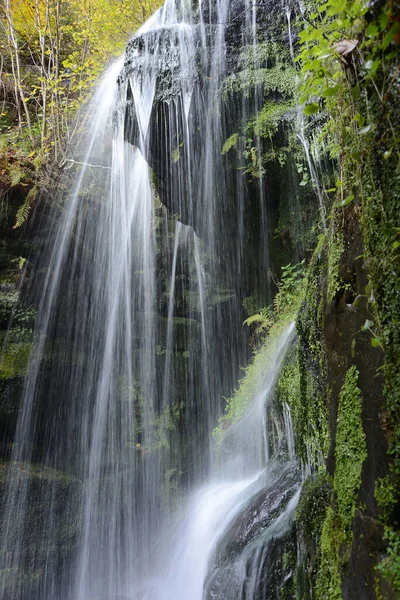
312,429
52,53
350,454
231,142
25,208
264,320
390,566
290,288
328,582
14,360
315,498
269,68
251,384
348,60
350,449
286,301
385,495
268,120
270,323
333,38
335,251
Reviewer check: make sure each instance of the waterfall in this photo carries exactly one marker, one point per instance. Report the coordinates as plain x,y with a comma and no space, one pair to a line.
147,251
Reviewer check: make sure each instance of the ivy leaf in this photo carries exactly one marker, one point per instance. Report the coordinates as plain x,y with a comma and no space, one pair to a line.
328,92
391,55
372,30
367,325
337,8
347,200
359,119
375,341
311,109
383,20
391,34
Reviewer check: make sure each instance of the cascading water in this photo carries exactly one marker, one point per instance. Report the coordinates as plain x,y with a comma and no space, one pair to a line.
138,336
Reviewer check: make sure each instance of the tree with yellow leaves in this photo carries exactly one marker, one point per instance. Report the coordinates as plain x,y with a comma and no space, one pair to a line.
51,53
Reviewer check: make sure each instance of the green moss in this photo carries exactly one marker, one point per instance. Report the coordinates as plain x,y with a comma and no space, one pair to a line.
390,566
380,226
251,384
267,121
363,129
35,473
328,580
289,560
288,384
314,500
350,453
288,391
275,74
385,495
14,361
312,431
350,450
335,251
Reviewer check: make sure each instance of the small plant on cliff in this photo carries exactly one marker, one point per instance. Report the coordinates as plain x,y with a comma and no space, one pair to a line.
286,302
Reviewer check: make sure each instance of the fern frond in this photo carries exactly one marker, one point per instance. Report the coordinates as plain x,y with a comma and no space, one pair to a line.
253,319
16,175
231,142
25,208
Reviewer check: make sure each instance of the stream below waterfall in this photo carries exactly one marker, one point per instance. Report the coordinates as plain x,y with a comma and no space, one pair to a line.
115,488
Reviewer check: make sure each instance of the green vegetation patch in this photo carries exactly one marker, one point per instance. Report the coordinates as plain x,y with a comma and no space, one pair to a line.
350,454
251,384
14,360
312,428
328,583
351,449
269,323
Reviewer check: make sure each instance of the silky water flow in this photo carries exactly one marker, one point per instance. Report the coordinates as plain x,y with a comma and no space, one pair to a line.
114,489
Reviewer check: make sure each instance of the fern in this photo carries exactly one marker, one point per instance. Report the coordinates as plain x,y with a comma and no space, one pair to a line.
25,208
253,319
16,175
264,320
231,142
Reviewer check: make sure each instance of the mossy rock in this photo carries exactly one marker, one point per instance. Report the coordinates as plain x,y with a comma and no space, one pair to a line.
14,361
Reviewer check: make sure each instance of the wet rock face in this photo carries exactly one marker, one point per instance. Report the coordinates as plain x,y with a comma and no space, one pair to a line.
48,492
189,122
256,556
160,54
271,578
263,508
